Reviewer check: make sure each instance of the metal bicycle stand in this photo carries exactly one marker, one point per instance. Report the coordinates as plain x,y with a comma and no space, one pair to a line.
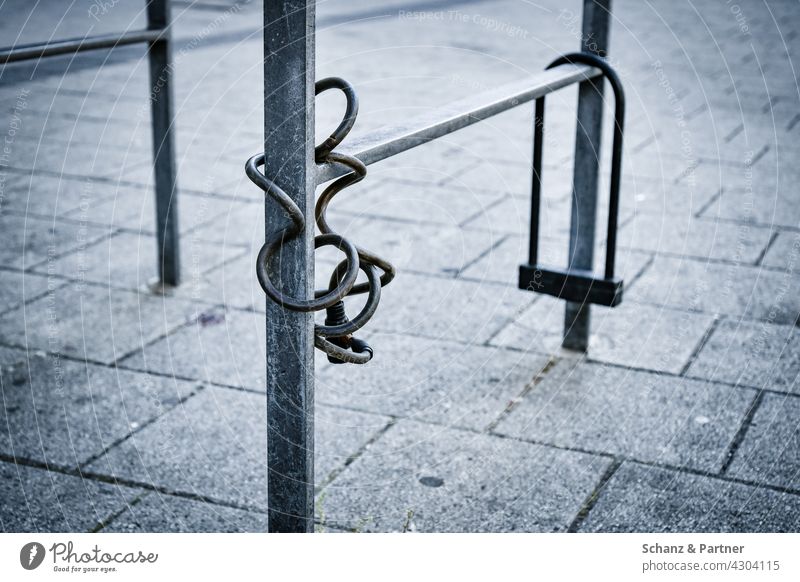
157,36
292,169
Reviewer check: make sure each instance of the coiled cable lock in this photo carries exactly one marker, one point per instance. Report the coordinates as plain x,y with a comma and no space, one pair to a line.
335,335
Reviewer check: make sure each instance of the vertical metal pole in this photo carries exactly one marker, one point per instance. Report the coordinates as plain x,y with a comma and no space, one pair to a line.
158,17
289,149
577,320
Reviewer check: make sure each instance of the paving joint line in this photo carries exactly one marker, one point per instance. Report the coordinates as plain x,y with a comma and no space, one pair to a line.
738,438
115,181
106,521
356,455
710,202
485,253
749,222
161,336
586,358
124,482
592,498
640,273
517,400
596,453
765,250
484,209
771,102
793,122
712,260
643,144
149,422
510,320
732,134
699,347
760,154
696,311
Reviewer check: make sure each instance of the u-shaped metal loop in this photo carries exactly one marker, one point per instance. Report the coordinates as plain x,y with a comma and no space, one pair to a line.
574,284
348,119
616,148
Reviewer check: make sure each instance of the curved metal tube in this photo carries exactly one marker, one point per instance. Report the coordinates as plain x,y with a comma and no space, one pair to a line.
335,339
616,149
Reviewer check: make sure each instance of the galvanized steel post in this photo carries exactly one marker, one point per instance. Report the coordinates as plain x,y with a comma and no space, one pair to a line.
289,152
163,144
596,21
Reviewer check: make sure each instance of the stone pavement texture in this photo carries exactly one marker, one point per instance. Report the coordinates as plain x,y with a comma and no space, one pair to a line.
125,410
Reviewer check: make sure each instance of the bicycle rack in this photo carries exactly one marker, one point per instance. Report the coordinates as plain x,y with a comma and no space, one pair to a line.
570,284
292,170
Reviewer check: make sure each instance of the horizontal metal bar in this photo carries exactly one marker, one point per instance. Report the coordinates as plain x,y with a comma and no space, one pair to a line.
75,45
391,140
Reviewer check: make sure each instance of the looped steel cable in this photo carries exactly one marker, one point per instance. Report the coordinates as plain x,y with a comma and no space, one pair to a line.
334,337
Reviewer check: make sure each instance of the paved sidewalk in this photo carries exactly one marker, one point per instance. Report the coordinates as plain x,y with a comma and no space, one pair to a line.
124,410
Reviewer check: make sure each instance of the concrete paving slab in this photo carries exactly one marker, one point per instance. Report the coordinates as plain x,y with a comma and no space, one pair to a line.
62,412
649,499
241,224
661,166
214,445
751,354
133,208
770,450
90,322
159,513
687,237
447,308
632,335
222,347
402,201
425,478
774,209
765,180
29,241
649,417
427,248
51,196
442,382
17,288
512,215
35,500
128,260
198,174
784,252
660,197
75,159
505,177
739,291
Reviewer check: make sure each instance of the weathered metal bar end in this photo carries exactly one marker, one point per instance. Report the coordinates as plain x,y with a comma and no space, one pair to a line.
577,316
289,162
163,144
